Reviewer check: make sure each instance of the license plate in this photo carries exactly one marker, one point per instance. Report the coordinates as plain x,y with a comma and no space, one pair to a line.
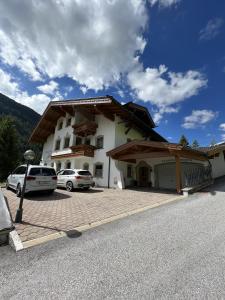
44,182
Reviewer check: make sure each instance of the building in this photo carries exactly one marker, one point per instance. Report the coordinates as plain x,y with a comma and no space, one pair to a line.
117,143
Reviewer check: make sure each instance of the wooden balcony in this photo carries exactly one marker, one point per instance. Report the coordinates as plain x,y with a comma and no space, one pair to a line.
83,150
85,128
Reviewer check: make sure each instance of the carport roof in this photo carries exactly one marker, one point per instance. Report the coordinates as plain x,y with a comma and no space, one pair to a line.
149,149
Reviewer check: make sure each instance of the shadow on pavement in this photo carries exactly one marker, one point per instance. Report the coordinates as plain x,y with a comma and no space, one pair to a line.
36,196
218,186
70,233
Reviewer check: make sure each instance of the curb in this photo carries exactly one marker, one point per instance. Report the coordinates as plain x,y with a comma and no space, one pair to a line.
83,228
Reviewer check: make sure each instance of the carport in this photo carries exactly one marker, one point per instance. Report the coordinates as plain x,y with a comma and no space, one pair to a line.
141,150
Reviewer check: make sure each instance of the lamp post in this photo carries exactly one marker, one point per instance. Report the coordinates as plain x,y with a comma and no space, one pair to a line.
29,155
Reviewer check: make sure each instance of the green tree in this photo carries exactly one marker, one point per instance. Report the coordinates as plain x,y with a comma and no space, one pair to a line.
9,155
183,141
195,144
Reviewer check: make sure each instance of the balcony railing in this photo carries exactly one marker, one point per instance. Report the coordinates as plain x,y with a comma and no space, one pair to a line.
83,150
85,128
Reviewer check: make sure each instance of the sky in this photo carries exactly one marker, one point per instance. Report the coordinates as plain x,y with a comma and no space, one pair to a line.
168,55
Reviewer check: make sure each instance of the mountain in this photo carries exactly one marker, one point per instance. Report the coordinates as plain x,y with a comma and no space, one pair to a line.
25,120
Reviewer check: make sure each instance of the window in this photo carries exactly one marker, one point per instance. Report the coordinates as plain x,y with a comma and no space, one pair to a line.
68,122
68,172
87,141
84,173
60,126
129,171
58,166
78,140
68,165
57,144
42,172
67,142
99,142
20,170
98,170
86,166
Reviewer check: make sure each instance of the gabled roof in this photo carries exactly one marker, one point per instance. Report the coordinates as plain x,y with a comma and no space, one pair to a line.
141,112
149,149
212,150
106,105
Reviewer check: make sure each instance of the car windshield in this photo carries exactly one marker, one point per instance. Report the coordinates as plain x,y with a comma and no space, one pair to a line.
84,173
42,172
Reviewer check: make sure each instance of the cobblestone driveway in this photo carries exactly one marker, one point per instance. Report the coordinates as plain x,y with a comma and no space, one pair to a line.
63,211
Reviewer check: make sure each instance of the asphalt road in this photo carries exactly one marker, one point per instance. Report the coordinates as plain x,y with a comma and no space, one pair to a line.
176,251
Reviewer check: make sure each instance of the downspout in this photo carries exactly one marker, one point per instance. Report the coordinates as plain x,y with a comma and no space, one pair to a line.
109,167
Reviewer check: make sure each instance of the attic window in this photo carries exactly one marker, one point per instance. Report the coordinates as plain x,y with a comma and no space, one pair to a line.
60,126
68,122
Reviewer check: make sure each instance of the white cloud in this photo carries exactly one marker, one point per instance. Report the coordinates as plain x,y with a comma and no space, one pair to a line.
164,3
223,137
163,88
199,118
11,88
50,88
222,127
92,42
211,30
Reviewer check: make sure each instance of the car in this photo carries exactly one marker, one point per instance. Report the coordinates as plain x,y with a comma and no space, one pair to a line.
39,178
75,178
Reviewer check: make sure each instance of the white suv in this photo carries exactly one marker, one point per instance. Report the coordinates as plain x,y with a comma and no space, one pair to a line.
75,178
39,178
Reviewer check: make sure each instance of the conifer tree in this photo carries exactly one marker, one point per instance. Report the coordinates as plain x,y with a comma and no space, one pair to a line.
9,154
183,141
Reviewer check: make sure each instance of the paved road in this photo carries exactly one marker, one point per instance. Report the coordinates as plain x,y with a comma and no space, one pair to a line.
175,251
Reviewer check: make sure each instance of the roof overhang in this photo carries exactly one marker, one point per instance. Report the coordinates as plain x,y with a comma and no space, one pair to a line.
107,106
136,149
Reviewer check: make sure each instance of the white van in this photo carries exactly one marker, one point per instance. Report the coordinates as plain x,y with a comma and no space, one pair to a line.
39,178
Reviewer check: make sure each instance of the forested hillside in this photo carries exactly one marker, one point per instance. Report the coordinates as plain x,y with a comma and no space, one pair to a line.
25,119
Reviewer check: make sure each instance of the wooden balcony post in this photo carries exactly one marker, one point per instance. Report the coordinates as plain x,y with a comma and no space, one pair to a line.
178,174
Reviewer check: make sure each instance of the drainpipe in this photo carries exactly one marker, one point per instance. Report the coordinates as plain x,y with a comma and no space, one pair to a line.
109,167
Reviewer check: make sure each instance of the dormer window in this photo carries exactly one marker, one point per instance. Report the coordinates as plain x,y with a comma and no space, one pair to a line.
57,144
68,122
99,142
67,142
60,126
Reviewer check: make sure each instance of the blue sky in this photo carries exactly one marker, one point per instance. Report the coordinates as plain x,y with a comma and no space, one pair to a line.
168,55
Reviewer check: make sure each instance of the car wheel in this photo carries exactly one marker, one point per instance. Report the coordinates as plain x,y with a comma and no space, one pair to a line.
7,185
18,190
69,186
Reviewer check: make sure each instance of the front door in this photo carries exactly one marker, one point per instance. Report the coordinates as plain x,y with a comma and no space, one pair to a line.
144,176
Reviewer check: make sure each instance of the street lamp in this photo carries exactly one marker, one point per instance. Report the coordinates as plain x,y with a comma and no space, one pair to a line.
29,155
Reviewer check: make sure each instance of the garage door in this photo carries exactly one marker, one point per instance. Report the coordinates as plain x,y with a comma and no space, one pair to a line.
165,175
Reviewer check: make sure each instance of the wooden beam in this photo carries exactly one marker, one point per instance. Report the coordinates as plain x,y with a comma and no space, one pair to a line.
178,174
67,109
107,114
58,111
89,116
142,155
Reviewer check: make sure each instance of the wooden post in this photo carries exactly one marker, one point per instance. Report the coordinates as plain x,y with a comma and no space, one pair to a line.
178,174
